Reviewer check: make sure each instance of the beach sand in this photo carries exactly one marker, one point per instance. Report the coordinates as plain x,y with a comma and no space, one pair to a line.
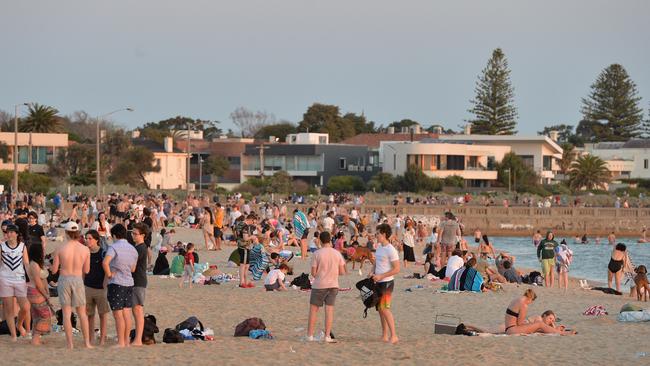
601,340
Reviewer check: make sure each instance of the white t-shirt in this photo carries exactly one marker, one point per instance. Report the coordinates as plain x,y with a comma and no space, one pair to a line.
274,276
384,255
453,264
328,223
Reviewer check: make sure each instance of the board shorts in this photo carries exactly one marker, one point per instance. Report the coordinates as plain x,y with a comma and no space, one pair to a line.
120,297
72,291
547,266
385,294
323,296
139,294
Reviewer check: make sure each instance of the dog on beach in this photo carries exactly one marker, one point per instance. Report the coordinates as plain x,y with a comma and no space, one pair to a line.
360,255
641,283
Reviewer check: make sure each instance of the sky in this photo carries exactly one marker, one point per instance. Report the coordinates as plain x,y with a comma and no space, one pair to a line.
388,59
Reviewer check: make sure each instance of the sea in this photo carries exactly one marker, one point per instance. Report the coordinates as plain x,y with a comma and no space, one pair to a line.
589,260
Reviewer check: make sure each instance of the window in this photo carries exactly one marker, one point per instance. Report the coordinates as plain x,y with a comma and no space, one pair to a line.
548,162
472,162
343,163
234,160
528,160
322,139
23,154
455,162
427,161
645,163
491,162
441,162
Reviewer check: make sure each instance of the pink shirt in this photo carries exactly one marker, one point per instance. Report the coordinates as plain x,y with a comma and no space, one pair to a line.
327,262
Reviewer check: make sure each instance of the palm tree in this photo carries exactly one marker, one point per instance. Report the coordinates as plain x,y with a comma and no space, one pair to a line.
588,171
41,119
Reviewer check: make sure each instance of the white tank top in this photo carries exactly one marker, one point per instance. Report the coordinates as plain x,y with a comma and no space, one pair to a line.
12,267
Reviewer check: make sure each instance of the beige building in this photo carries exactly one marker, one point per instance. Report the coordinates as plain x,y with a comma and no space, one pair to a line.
172,162
45,147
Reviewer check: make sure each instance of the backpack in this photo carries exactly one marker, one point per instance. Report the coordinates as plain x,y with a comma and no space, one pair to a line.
535,278
59,318
244,328
172,336
302,281
150,328
190,324
368,289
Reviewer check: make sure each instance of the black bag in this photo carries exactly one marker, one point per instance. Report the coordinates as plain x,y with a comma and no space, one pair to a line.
190,324
59,318
534,277
302,281
369,296
172,336
247,325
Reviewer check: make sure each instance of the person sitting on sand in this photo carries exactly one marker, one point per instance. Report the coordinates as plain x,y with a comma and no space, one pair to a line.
510,274
489,274
454,263
178,263
467,278
515,318
162,265
274,281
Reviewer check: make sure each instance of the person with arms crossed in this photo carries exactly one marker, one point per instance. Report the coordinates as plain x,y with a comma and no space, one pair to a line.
385,268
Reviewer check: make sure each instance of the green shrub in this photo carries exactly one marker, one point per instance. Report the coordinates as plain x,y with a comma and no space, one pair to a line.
345,183
454,181
27,182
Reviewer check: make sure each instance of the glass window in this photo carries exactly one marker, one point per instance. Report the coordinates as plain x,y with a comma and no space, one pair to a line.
428,162
441,162
645,163
291,163
472,162
455,162
343,163
322,139
23,154
528,160
548,162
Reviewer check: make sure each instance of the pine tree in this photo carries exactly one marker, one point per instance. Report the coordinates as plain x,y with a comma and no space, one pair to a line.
494,110
645,127
614,103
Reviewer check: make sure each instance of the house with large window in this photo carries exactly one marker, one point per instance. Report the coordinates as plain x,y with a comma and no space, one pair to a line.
625,159
44,148
313,161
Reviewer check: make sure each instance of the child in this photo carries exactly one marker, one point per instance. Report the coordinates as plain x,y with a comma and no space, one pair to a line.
275,279
188,270
178,263
314,243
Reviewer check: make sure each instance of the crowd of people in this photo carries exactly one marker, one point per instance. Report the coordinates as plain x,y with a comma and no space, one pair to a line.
109,244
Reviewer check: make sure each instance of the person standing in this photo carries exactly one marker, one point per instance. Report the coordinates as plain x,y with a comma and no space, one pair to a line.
449,233
72,261
35,233
409,243
564,256
218,226
546,256
385,268
38,295
327,265
120,261
301,229
13,283
245,230
140,232
96,298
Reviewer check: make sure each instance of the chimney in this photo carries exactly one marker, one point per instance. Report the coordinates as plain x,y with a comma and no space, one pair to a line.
135,134
467,130
416,129
553,135
438,130
169,144
391,130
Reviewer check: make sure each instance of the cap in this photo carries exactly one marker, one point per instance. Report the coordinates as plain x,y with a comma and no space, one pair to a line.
7,223
71,226
12,227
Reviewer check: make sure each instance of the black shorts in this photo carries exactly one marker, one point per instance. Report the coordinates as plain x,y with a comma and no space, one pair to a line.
244,255
385,294
120,297
218,233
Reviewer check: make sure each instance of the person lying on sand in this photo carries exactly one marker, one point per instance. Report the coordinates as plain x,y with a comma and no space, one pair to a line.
516,322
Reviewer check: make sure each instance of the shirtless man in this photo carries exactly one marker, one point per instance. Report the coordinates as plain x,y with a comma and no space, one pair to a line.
73,261
611,238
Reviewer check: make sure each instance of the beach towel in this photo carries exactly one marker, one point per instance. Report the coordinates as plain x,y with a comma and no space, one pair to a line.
634,316
466,279
596,310
259,262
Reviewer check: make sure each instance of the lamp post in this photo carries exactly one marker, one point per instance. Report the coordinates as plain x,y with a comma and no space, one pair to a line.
508,171
98,163
14,189
200,175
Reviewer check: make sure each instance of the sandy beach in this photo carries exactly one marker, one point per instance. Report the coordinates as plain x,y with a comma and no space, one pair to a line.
601,340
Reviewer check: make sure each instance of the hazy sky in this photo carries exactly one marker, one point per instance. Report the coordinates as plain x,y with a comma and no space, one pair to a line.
391,59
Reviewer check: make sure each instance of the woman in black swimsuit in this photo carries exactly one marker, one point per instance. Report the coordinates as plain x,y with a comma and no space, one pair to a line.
616,265
516,322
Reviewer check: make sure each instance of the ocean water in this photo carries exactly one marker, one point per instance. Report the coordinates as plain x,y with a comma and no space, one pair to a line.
589,260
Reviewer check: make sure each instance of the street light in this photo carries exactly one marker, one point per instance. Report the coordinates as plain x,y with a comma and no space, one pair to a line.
200,175
99,119
508,171
14,189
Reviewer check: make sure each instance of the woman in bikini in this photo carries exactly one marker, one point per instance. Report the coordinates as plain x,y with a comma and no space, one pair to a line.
486,248
516,322
616,265
207,224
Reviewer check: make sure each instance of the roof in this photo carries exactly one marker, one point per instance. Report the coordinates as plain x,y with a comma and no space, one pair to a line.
505,139
151,145
372,140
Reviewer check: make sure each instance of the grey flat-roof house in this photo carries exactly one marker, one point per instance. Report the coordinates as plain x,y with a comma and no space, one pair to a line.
308,159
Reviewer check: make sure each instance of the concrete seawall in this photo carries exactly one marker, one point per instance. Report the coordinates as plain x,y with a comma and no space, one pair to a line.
524,221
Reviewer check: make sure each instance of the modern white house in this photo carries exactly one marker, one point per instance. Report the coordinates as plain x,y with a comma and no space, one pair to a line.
541,153
442,158
629,159
172,163
45,147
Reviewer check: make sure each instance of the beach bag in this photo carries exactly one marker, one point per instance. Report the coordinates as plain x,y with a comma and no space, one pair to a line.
59,318
148,331
260,334
190,324
369,297
172,336
302,282
244,328
534,278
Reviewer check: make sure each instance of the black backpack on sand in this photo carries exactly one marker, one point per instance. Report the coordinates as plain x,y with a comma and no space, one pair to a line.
368,289
302,281
172,336
190,324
